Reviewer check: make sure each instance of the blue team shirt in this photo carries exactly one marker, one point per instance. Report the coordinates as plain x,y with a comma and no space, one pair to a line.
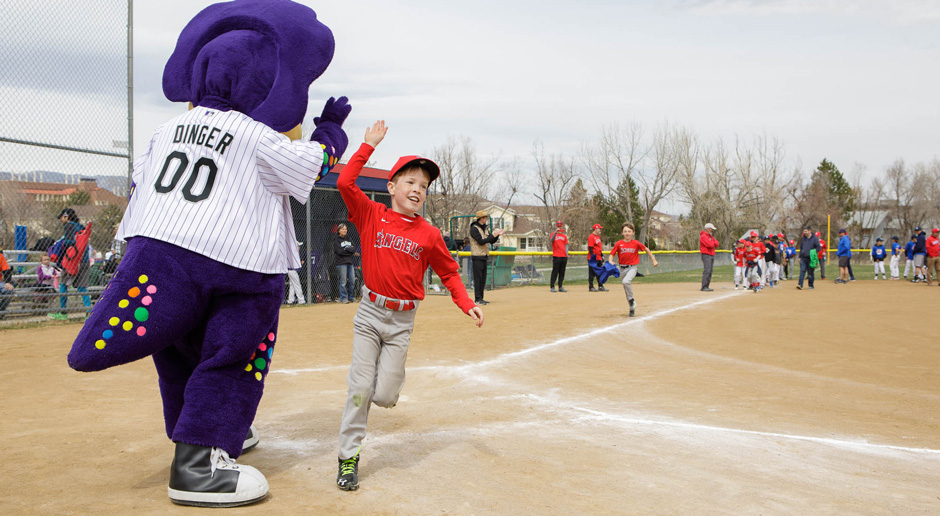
895,249
878,252
909,250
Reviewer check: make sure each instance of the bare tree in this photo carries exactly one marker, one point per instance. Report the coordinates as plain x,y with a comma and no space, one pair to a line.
670,146
465,181
614,161
555,176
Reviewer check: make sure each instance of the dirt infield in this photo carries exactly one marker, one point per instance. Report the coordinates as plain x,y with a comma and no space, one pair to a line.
782,402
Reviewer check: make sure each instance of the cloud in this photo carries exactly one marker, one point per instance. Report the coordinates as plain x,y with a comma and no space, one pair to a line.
898,12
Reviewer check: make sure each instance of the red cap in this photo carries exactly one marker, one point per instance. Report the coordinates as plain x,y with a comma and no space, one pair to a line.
935,230
792,242
779,235
597,226
405,161
742,241
753,233
817,233
559,224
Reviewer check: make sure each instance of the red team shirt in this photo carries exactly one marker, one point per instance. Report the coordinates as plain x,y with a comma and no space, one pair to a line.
628,253
754,253
595,249
560,245
396,249
739,256
933,246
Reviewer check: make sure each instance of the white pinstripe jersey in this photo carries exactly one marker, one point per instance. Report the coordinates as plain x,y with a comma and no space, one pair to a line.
218,183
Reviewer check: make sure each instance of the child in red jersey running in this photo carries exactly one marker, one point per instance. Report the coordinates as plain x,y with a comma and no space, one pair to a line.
398,246
628,255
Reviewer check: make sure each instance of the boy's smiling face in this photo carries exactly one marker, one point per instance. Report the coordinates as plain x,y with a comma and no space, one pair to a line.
409,190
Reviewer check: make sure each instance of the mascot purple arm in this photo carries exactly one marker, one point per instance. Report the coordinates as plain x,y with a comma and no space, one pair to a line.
210,234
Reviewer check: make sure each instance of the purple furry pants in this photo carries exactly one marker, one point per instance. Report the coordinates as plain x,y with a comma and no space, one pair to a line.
210,328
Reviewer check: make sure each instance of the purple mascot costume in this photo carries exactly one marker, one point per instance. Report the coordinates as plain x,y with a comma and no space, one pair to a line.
210,234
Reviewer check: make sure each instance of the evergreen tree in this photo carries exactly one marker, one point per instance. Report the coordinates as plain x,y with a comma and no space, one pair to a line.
839,192
612,215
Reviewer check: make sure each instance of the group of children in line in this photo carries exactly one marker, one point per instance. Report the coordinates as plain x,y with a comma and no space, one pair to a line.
762,262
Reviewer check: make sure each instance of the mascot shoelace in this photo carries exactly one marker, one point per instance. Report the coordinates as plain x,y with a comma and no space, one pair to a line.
210,234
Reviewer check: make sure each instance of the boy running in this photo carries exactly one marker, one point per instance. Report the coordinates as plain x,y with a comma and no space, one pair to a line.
402,246
628,256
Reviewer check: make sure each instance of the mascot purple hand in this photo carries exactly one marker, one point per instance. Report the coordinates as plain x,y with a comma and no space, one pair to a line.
329,131
210,234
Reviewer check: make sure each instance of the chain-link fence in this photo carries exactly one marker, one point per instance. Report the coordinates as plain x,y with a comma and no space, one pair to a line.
64,141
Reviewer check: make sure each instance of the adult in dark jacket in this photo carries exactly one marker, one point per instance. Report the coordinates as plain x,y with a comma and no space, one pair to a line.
480,252
345,252
920,255
808,242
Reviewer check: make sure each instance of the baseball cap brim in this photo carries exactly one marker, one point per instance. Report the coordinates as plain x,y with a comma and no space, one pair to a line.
416,161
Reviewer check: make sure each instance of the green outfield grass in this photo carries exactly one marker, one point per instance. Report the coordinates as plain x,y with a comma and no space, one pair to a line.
720,273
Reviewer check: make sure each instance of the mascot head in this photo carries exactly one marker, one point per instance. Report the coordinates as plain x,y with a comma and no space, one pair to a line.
257,57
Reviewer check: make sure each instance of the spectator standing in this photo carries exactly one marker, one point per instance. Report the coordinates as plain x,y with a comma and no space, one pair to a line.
844,254
895,258
559,242
707,245
345,253
878,255
71,225
595,257
480,253
932,244
808,243
920,255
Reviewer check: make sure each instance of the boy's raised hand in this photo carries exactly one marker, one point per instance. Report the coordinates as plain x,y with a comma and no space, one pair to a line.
376,133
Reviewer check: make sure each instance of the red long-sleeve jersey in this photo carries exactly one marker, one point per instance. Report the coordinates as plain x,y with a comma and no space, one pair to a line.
396,248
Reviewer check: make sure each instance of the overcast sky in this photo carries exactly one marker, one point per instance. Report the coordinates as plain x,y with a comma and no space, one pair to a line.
852,81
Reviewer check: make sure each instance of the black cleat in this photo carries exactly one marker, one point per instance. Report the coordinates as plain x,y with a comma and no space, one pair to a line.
347,478
592,289
602,288
562,289
632,307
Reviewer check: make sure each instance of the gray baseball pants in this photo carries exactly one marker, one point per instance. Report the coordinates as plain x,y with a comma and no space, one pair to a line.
627,273
377,374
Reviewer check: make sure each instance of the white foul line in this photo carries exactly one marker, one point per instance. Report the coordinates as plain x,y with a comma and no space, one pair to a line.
568,340
596,415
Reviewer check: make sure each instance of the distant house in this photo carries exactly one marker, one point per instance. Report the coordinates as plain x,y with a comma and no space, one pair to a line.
665,230
865,226
26,202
